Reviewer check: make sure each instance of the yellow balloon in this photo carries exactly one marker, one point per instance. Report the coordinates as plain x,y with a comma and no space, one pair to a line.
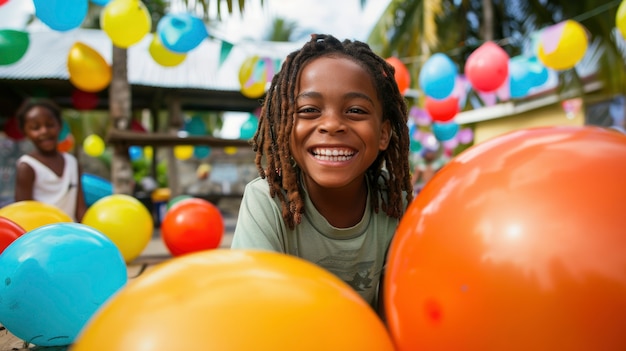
232,300
183,152
87,69
126,22
93,145
124,220
31,214
571,47
148,152
163,56
230,150
620,18
252,81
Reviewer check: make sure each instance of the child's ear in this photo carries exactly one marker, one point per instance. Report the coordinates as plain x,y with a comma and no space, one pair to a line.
385,135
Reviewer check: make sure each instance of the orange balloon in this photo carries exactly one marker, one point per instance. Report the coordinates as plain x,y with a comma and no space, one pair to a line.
518,243
402,75
235,300
88,70
192,225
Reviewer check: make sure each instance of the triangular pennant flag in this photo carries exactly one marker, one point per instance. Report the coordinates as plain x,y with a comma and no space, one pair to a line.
224,51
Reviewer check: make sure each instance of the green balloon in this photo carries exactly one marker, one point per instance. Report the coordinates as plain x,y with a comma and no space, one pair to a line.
13,45
177,199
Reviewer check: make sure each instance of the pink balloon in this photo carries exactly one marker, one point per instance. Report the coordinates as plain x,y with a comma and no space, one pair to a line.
487,67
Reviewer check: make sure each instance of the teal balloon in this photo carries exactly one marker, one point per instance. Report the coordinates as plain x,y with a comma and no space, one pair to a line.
445,131
177,199
201,151
95,188
195,126
248,128
54,278
61,15
65,130
13,45
415,145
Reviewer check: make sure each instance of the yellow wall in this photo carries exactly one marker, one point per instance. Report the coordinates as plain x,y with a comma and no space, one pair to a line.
552,115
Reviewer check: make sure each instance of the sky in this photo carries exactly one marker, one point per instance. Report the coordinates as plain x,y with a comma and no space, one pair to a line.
345,19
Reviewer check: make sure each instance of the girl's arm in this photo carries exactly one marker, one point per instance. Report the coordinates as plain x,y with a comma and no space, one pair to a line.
24,182
81,206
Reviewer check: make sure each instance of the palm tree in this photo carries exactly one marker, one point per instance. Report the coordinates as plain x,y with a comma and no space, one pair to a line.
414,29
120,99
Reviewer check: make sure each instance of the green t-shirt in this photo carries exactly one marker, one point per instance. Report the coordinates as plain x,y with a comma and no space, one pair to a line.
355,254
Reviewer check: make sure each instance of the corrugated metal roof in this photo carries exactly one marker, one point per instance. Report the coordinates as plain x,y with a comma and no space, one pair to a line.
46,58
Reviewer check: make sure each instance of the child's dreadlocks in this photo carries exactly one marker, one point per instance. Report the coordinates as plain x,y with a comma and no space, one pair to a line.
276,121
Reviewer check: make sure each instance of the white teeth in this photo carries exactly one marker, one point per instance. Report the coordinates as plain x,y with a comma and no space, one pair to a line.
335,155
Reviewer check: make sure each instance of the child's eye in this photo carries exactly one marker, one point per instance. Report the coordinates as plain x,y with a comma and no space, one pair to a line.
304,111
356,110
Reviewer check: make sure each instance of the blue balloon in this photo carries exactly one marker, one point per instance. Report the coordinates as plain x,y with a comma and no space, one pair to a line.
520,78
201,151
95,188
135,152
438,76
181,33
445,131
61,15
100,2
538,72
54,278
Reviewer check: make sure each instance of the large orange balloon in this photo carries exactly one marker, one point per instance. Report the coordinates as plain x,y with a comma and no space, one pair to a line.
518,243
235,300
88,70
31,214
192,225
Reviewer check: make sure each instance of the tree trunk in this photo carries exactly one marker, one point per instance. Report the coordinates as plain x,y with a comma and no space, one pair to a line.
175,124
487,23
120,100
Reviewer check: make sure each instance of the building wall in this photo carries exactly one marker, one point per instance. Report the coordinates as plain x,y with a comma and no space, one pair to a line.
551,115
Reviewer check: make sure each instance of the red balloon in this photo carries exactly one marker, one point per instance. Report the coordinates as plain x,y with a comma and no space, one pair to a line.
9,231
487,67
442,110
12,129
402,75
518,243
192,225
83,100
2,2
66,144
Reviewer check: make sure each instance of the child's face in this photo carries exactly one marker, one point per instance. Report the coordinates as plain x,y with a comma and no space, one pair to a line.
42,128
338,123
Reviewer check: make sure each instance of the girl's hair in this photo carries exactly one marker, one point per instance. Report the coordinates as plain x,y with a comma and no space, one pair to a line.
30,103
271,140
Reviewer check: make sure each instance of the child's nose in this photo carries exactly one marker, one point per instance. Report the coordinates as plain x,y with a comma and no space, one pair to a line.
331,122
